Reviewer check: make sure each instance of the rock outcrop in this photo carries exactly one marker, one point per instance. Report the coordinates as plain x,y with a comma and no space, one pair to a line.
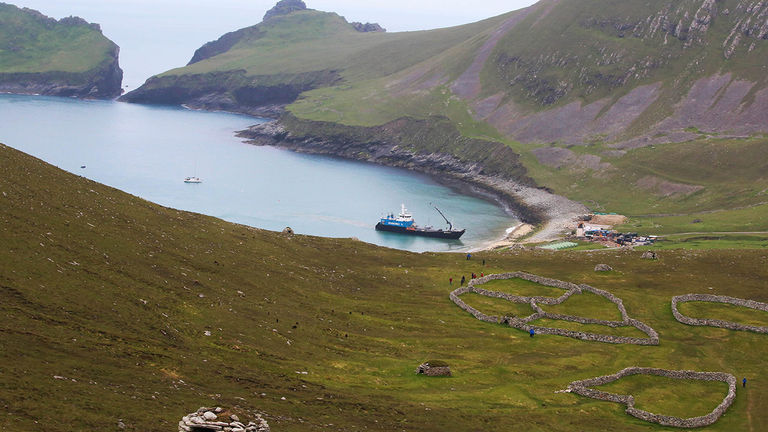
284,7
368,27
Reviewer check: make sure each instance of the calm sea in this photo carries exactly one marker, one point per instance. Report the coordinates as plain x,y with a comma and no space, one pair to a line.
147,151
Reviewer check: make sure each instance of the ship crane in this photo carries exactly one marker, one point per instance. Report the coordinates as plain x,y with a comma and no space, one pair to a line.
450,225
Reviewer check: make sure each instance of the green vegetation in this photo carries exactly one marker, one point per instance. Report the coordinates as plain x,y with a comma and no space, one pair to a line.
498,307
522,287
586,305
672,397
724,312
33,43
114,295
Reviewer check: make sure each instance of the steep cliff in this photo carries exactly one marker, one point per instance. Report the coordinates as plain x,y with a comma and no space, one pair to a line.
68,57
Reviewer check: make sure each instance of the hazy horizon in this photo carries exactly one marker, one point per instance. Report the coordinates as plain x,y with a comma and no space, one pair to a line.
158,35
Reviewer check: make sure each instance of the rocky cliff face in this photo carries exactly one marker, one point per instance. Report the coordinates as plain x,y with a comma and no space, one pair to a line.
625,72
233,91
104,82
37,52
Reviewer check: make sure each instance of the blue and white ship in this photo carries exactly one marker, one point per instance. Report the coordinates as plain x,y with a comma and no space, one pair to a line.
405,224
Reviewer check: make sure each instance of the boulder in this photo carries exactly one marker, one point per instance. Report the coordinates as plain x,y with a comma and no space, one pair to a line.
288,231
649,255
603,268
210,416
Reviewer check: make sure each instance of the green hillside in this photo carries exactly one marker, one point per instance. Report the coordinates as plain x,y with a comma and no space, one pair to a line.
117,309
645,109
57,57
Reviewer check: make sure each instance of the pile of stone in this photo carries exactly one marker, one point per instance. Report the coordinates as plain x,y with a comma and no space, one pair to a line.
534,301
583,388
216,419
751,304
649,255
434,369
603,268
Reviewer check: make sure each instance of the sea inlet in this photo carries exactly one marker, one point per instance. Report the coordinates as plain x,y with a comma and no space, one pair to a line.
147,151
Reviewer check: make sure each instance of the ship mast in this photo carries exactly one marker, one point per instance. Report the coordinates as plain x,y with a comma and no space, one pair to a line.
450,225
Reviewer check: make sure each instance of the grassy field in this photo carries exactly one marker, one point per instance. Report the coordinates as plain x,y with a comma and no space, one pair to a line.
32,44
114,295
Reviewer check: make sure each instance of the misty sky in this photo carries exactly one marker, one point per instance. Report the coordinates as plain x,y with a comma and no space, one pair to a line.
157,35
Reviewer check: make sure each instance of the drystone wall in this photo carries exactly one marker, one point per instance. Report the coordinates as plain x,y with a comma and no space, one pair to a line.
751,304
583,388
534,301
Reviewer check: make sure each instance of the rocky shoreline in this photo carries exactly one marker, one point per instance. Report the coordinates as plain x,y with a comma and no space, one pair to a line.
105,82
551,213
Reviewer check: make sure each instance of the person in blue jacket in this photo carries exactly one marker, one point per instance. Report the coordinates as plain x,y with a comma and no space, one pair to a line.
531,332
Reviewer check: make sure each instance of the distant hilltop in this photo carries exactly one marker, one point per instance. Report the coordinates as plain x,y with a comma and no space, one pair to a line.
285,7
66,57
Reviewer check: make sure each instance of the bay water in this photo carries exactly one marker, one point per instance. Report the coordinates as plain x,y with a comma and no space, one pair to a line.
149,150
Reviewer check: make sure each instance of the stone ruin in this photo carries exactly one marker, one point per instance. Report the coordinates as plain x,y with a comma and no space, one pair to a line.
583,388
217,419
571,289
751,304
434,369
603,268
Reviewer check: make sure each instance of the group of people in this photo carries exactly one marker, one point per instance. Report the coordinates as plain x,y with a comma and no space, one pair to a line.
473,275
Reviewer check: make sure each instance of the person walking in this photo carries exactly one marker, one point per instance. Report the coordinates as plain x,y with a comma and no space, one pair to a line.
463,279
531,332
744,382
469,256
450,281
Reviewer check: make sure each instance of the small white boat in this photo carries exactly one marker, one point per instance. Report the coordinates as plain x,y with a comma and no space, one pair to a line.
192,180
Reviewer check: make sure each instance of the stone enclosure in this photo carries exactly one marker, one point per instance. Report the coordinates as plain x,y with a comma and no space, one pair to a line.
751,304
534,301
583,388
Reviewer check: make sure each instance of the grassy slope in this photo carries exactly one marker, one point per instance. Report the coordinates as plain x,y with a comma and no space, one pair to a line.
390,75
309,41
32,44
115,294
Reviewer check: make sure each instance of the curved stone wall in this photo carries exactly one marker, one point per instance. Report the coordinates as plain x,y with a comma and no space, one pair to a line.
534,301
583,388
751,304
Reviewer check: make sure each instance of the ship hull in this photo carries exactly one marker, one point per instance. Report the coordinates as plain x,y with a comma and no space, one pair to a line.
422,232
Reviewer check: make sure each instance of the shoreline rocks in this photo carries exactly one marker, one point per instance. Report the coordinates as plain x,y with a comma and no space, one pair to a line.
504,182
